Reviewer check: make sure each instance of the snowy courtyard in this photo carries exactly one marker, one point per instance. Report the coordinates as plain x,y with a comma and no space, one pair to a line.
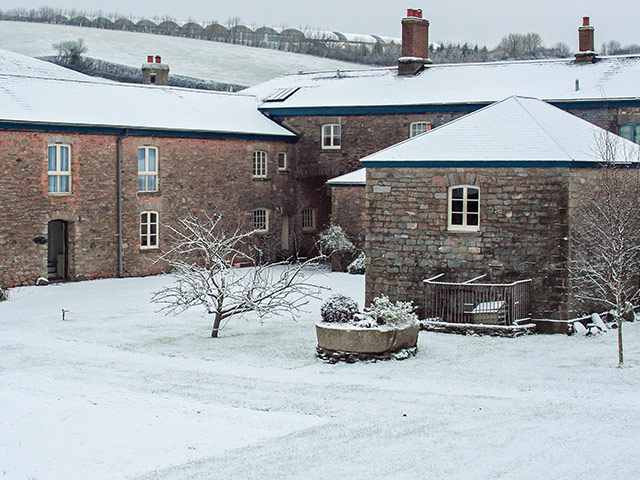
118,390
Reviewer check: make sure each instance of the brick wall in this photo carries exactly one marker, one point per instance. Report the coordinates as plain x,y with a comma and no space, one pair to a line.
523,232
195,175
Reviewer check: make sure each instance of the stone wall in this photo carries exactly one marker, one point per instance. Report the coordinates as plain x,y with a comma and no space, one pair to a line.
195,175
347,207
523,232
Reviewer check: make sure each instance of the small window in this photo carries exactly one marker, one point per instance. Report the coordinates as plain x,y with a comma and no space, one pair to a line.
416,128
148,230
464,208
147,169
59,168
282,161
259,164
261,220
630,132
331,136
308,219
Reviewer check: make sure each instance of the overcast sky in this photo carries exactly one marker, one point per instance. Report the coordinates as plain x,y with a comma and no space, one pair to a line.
474,21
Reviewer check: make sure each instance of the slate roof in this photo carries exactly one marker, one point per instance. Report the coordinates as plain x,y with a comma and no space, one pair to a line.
515,131
615,77
29,96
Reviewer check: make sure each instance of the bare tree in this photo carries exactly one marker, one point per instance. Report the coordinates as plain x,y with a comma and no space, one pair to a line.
605,238
70,51
612,47
205,259
532,43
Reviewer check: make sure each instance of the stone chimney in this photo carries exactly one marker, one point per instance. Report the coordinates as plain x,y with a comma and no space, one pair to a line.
155,72
415,43
587,53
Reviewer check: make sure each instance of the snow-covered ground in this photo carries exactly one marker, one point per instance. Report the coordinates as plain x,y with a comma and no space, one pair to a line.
119,391
216,61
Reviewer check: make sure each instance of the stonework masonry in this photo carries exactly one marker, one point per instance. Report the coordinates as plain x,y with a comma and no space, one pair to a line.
195,175
524,228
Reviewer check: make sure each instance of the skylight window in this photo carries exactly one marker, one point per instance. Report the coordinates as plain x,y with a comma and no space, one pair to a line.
281,95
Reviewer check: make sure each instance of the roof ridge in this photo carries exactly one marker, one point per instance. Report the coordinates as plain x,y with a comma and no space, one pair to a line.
542,127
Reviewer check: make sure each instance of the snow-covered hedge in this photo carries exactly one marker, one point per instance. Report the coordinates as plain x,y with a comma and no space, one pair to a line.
335,240
357,266
4,295
383,312
339,309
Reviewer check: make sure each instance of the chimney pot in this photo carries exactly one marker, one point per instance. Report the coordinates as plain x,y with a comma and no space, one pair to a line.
418,13
149,58
158,59
585,21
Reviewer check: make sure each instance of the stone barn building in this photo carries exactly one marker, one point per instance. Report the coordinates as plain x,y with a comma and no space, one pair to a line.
491,194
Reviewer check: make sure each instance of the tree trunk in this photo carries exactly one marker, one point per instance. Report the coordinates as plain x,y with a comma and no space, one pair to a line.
619,322
216,325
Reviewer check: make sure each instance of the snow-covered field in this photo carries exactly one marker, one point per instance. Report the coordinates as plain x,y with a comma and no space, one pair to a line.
216,61
119,391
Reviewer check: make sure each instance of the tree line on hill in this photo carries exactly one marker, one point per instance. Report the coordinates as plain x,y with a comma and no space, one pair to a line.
368,50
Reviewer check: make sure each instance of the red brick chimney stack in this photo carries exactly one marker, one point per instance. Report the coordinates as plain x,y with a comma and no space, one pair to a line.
415,43
154,72
586,53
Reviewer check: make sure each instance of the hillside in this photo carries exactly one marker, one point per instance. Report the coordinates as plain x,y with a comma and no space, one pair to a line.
216,61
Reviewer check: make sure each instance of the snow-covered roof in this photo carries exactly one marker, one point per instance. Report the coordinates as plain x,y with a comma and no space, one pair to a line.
616,77
359,177
15,64
526,131
33,91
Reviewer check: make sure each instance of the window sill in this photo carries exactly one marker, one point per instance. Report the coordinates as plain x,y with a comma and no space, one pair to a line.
149,249
283,172
331,148
261,179
309,230
145,193
60,194
463,231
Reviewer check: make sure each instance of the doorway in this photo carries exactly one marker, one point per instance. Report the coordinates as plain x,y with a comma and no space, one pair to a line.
57,250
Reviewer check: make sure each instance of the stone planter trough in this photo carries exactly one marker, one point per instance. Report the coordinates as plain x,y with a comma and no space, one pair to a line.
334,337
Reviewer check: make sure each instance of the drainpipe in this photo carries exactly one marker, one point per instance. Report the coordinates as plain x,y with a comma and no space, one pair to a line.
119,199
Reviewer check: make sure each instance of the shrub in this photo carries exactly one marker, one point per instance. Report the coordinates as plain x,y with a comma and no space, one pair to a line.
4,294
386,313
357,266
339,308
334,240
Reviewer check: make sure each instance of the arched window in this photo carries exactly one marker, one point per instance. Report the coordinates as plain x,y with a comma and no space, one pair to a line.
59,168
464,208
259,164
331,136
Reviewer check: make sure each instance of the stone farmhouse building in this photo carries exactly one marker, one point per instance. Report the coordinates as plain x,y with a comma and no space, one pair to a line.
92,170
500,203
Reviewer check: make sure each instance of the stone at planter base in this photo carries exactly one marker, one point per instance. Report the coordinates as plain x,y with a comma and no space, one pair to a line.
332,356
350,343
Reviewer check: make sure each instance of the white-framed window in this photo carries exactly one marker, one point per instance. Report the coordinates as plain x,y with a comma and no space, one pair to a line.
416,128
59,168
308,219
464,208
147,169
331,136
259,164
630,132
148,230
282,161
261,220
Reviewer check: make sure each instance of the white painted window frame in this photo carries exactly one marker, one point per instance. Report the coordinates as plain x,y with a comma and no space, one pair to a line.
57,173
146,172
414,127
260,164
261,211
329,138
148,236
464,227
